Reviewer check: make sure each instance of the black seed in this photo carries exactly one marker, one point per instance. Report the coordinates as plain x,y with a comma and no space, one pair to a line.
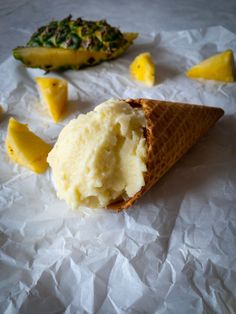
91,60
48,66
10,149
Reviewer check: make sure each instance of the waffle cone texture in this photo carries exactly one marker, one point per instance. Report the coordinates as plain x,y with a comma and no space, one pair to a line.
172,129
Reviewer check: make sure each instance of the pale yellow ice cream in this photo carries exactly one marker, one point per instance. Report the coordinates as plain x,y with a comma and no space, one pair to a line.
100,156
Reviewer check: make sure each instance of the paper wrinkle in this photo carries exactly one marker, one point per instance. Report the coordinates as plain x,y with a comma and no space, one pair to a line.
174,251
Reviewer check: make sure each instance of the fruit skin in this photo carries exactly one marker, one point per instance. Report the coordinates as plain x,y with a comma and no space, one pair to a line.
72,44
54,93
25,148
143,69
219,67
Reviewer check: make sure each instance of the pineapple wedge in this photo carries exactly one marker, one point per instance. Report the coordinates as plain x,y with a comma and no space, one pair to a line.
72,44
219,67
54,93
25,148
143,69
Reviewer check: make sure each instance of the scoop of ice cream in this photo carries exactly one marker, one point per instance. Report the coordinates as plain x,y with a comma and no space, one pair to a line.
100,156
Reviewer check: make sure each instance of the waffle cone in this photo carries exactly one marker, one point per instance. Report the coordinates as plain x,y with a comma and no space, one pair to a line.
172,129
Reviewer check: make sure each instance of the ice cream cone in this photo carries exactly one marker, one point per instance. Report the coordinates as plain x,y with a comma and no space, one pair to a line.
172,129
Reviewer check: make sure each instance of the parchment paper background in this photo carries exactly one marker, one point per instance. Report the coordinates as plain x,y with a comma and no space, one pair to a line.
174,251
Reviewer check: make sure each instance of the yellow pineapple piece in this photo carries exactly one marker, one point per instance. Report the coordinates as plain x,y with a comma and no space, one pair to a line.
219,67
25,148
37,55
143,69
54,93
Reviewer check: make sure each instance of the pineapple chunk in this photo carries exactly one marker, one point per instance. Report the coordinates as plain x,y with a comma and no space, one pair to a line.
58,58
50,59
219,67
54,93
143,69
26,148
73,44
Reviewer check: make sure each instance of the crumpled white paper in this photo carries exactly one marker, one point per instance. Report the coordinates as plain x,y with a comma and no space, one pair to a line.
174,251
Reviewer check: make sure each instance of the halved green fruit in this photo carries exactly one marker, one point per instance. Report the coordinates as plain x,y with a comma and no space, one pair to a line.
72,44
